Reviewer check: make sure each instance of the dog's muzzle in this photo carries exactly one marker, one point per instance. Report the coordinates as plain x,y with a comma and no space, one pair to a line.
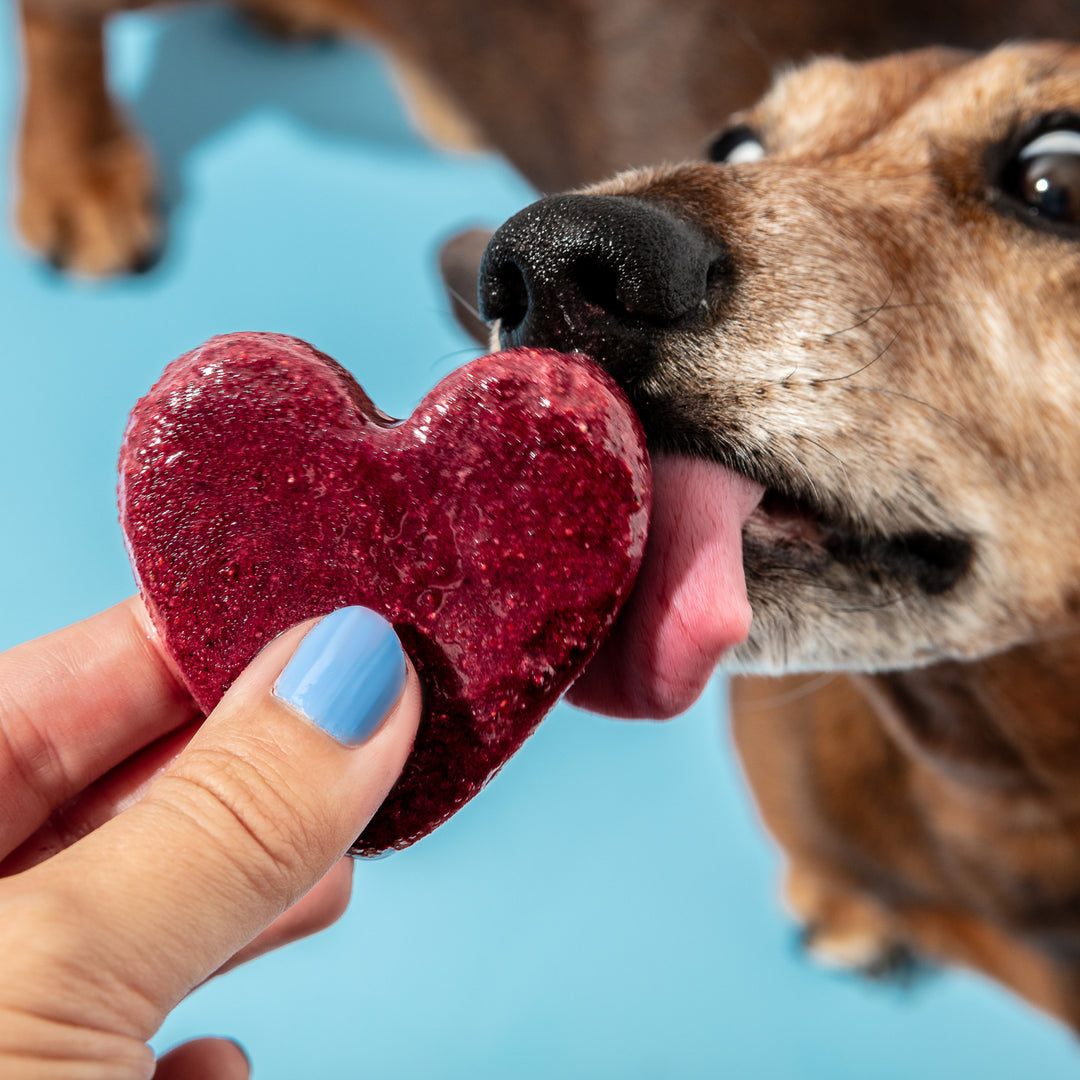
606,275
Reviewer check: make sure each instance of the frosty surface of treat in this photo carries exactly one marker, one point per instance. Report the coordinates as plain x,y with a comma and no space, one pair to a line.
499,529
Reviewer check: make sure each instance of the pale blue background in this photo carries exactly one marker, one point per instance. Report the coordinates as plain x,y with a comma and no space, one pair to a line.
607,907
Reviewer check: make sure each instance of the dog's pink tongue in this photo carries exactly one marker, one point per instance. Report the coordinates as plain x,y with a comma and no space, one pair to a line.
689,604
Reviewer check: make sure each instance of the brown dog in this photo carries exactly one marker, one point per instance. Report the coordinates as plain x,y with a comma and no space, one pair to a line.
569,90
853,342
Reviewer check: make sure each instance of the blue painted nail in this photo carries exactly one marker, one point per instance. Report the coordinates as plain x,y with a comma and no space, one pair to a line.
345,674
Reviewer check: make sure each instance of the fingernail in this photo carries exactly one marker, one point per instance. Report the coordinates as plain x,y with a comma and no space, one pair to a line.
346,674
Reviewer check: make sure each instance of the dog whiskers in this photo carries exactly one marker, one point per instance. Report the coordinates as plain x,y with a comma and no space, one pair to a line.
746,34
811,686
795,461
473,350
923,404
909,304
873,313
469,307
891,600
825,450
869,363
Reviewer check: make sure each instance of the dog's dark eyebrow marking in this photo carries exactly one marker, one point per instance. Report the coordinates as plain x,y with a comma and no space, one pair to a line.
873,313
1052,67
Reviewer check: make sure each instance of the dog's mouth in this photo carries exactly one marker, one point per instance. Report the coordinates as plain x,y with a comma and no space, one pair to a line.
691,603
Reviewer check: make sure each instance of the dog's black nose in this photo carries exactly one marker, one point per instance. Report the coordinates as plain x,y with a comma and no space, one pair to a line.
602,274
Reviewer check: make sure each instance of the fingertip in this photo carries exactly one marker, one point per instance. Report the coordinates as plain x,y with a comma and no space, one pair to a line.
404,715
212,1058
145,636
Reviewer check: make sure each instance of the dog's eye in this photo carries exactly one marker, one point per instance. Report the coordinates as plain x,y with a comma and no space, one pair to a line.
736,146
1044,176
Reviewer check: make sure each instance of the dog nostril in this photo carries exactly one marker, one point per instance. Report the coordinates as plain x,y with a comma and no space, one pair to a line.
508,299
717,276
597,284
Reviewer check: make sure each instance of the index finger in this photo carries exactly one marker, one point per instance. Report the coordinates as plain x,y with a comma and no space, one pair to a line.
75,703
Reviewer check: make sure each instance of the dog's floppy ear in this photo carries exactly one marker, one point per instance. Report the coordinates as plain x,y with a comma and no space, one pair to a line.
459,265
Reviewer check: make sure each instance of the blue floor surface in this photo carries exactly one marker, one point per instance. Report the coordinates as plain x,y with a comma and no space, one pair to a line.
607,908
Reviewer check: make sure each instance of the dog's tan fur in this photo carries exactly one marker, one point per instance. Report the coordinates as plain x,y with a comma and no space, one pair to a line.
899,348
569,90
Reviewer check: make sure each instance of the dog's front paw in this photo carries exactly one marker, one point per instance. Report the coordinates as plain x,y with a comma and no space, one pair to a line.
842,930
88,206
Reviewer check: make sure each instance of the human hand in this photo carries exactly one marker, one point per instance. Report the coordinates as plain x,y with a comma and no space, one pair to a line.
141,852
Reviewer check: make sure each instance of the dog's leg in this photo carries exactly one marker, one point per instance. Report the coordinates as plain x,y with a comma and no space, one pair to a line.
434,113
826,780
862,880
431,110
846,929
85,187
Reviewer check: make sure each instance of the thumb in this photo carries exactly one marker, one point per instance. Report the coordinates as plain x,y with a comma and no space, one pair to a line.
273,789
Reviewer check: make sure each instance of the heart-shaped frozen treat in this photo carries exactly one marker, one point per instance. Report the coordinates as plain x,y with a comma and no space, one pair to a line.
499,529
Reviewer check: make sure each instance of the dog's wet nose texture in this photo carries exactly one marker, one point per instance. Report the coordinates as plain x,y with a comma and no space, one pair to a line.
600,274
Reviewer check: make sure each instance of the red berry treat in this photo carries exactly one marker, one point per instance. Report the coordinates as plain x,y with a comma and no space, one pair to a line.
499,529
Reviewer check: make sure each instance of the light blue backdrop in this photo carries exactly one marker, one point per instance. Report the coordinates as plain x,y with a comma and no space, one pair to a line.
607,907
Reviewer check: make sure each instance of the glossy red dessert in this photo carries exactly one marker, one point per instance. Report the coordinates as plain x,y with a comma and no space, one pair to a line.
499,528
